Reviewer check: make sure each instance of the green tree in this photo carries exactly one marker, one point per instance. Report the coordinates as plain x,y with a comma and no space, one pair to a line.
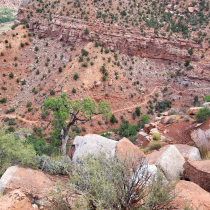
72,113
14,150
145,119
207,98
86,32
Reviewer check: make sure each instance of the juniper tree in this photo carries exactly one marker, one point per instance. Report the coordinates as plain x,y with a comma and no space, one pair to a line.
68,113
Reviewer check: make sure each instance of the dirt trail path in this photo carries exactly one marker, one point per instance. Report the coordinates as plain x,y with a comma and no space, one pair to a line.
116,111
144,98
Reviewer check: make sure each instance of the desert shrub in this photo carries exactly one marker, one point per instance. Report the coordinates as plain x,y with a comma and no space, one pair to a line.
61,166
11,121
81,59
84,52
10,129
202,114
39,144
156,136
172,111
84,64
155,145
83,129
115,184
3,100
128,130
204,152
138,112
52,92
60,69
76,76
36,48
74,90
163,105
113,119
29,104
11,75
14,150
10,110
106,50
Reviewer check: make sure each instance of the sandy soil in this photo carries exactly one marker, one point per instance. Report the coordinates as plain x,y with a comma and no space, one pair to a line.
4,27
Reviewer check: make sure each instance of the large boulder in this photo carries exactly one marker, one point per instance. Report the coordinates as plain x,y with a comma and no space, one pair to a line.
167,120
148,127
192,153
198,172
192,110
15,200
191,9
201,134
33,183
143,139
170,161
93,144
186,151
126,149
193,195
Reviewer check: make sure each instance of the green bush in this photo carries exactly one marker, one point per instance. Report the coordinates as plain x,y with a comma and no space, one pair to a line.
84,52
11,75
207,98
74,90
115,184
155,145
156,136
62,166
163,105
39,144
3,100
202,114
76,76
145,119
15,150
113,119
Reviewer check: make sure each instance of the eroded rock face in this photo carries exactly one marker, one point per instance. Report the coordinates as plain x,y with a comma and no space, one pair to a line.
15,200
192,110
64,29
126,149
198,172
33,183
93,144
194,195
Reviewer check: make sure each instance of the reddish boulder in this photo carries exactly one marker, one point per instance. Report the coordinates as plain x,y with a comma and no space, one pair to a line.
193,195
193,110
147,127
191,9
15,200
142,140
198,172
125,148
33,183
167,120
